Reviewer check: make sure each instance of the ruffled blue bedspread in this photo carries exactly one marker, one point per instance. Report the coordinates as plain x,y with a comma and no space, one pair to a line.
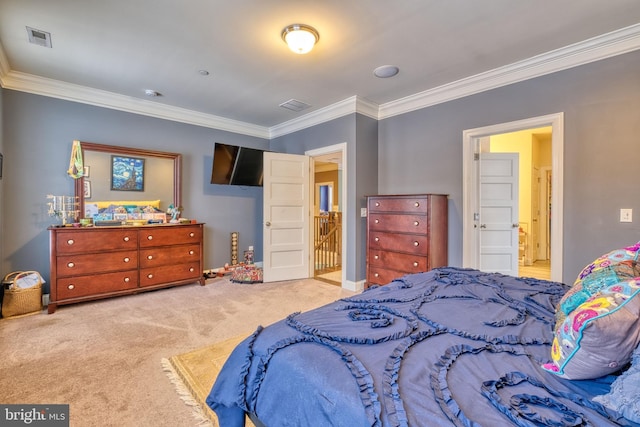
447,347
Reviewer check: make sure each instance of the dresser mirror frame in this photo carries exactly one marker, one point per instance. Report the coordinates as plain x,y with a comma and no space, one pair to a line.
114,149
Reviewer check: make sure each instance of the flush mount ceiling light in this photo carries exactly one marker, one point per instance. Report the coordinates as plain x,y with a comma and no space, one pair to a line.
300,37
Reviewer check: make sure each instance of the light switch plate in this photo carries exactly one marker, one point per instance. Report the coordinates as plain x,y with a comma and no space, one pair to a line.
626,215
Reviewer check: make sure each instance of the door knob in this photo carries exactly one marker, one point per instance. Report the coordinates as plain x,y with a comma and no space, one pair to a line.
268,224
516,225
483,225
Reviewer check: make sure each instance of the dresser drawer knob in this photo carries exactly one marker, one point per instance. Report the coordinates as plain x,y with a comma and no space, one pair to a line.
416,223
416,204
192,234
377,239
126,259
70,242
150,276
149,237
126,280
191,270
415,263
71,265
71,287
190,252
377,221
376,275
149,256
126,238
377,204
376,257
416,243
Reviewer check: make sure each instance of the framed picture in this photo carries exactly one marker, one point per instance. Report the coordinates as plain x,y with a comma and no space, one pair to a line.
87,189
85,172
127,173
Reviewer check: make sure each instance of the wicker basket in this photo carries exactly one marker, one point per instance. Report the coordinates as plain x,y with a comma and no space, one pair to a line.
20,301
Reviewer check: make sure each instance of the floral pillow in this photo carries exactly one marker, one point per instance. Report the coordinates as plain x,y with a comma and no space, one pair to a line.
592,335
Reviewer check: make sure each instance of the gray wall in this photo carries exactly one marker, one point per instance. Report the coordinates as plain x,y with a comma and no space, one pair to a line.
415,152
360,133
37,147
422,151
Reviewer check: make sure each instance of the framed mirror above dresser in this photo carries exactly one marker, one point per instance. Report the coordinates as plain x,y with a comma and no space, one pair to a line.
162,176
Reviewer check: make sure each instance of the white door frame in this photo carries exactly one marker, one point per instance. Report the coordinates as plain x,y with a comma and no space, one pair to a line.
470,140
342,149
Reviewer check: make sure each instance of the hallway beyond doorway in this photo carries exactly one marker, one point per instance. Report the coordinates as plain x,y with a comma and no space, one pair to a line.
538,270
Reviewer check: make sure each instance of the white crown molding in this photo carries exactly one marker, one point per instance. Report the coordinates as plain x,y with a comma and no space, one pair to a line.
82,94
605,46
615,43
347,106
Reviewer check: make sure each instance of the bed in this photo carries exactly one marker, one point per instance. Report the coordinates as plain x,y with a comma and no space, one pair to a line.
447,347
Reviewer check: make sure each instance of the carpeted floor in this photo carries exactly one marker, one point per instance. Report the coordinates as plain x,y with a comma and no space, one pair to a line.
104,357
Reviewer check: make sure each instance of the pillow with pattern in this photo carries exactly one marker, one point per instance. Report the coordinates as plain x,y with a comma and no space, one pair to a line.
599,336
613,267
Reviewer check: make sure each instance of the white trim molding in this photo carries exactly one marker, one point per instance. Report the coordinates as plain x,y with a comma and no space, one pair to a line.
601,47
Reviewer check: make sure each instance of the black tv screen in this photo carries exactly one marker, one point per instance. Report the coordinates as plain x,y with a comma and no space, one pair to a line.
236,165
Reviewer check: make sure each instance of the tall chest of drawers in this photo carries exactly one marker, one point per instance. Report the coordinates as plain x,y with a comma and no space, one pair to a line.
405,234
101,262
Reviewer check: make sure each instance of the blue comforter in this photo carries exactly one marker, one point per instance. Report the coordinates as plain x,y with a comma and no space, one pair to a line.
447,347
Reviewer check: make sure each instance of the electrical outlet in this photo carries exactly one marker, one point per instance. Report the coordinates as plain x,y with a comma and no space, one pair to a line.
626,215
363,212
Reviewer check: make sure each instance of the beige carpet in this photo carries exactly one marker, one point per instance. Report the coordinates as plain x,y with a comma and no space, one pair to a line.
194,373
103,358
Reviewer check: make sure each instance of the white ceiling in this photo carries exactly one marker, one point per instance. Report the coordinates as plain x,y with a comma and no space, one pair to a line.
108,53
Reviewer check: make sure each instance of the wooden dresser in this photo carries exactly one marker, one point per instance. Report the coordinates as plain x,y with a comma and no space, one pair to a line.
405,234
101,262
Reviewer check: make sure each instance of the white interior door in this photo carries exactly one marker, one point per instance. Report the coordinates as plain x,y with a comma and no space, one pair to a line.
498,231
286,212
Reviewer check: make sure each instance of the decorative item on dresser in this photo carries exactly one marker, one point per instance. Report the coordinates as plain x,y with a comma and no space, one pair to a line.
405,234
99,262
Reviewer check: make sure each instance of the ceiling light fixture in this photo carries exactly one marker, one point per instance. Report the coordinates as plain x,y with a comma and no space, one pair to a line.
300,37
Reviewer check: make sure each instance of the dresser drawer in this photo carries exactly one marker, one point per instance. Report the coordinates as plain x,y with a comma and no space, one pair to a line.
170,235
170,273
81,286
382,276
408,243
94,240
398,204
156,257
400,223
397,261
75,265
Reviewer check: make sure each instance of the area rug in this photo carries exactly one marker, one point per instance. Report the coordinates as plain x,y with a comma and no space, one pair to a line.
194,373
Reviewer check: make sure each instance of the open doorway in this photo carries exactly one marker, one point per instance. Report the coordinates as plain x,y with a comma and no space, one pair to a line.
473,140
328,183
533,147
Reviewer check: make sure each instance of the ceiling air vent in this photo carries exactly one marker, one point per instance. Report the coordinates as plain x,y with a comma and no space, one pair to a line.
295,105
39,37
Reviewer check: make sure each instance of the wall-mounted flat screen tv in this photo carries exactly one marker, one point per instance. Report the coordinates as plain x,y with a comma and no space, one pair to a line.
233,165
